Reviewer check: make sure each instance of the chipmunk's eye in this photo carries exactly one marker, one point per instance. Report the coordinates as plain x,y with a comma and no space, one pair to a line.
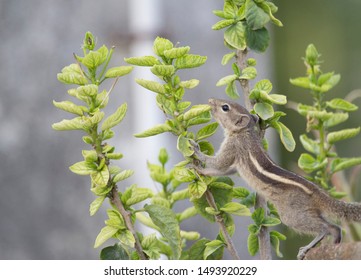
225,108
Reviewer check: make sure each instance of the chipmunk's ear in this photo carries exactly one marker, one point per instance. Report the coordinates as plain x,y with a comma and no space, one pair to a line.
242,121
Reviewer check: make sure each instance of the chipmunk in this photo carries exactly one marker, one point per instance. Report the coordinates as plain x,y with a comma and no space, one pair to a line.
301,204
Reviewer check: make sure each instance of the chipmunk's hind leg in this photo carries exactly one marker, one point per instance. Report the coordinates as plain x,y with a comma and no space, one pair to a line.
329,229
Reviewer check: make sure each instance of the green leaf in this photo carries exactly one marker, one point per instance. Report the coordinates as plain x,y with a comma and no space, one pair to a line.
339,164
275,237
72,74
309,164
115,252
150,246
236,209
196,251
226,80
151,85
285,135
73,124
227,57
180,195
206,148
142,60
212,211
303,82
126,237
267,7
256,17
264,110
100,178
278,99
340,135
122,175
235,35
184,146
252,244
231,90
161,45
197,189
211,247
106,233
195,111
258,216
240,193
309,144
163,70
189,84
176,52
257,40
207,131
83,168
184,175
115,118
187,213
270,222
336,119
158,129
165,219
95,205
248,73
190,235
263,85
115,219
190,61
220,185
223,23
93,59
330,83
138,195
70,107
83,92
119,71
341,104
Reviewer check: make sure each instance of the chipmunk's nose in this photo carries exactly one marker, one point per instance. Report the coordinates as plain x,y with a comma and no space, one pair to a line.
211,101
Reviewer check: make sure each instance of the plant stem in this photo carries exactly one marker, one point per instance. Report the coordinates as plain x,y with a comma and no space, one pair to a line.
128,221
219,220
264,239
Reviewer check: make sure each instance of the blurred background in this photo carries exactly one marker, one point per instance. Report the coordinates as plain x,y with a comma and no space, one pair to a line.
43,206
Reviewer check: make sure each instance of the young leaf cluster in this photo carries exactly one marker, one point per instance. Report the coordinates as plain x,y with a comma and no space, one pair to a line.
245,22
322,117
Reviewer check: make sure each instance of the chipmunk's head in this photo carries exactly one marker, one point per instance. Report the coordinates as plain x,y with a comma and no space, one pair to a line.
231,116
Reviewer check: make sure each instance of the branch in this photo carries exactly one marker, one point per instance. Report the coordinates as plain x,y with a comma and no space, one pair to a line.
128,221
219,220
264,239
342,251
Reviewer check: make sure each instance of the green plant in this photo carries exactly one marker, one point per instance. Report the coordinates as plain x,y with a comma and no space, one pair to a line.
322,161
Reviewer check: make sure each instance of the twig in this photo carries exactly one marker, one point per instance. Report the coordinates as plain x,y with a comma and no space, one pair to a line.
128,221
219,220
264,239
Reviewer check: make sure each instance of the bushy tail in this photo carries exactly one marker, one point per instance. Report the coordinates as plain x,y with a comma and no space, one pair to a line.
344,210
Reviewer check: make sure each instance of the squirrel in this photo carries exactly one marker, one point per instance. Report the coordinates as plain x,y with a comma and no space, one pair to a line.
301,204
